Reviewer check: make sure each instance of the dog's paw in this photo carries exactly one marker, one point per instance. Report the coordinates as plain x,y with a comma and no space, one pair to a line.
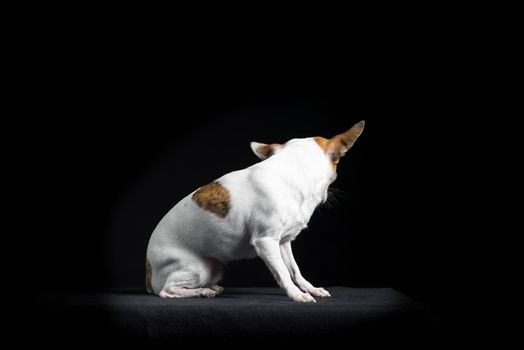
208,293
216,288
303,298
319,292
180,292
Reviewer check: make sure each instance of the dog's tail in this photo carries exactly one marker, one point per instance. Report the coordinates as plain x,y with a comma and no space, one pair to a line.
148,278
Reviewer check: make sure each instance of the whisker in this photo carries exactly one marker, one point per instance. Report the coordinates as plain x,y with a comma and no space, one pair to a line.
333,195
336,192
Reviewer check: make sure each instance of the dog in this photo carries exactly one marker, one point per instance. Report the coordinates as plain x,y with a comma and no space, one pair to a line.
257,211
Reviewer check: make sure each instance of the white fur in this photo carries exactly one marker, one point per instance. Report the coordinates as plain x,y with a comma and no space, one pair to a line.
271,202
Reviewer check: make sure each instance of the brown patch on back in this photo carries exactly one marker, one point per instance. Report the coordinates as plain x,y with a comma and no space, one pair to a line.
148,277
213,197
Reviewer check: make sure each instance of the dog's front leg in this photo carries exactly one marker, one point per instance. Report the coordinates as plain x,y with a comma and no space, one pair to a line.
301,282
268,249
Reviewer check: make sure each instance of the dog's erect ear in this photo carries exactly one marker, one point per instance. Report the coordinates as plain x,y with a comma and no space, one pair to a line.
264,151
340,144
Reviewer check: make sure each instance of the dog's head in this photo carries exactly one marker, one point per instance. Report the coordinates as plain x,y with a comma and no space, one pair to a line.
326,161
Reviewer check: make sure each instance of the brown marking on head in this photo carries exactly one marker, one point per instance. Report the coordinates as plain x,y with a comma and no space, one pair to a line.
264,151
337,146
148,277
213,197
324,144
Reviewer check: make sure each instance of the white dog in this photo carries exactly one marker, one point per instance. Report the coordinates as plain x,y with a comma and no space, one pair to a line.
257,211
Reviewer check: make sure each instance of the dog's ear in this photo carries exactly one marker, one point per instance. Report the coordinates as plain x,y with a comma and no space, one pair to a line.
340,144
264,151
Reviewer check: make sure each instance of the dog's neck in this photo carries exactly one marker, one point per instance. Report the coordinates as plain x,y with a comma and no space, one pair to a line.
302,172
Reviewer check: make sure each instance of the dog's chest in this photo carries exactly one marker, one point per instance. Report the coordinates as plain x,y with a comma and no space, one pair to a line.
297,220
291,232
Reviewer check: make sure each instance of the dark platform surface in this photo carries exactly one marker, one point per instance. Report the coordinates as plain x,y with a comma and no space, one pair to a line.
356,316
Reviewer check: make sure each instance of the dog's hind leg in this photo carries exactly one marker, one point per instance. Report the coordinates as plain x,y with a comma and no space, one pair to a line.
191,278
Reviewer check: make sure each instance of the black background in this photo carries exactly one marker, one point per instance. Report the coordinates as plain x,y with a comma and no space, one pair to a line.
108,139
